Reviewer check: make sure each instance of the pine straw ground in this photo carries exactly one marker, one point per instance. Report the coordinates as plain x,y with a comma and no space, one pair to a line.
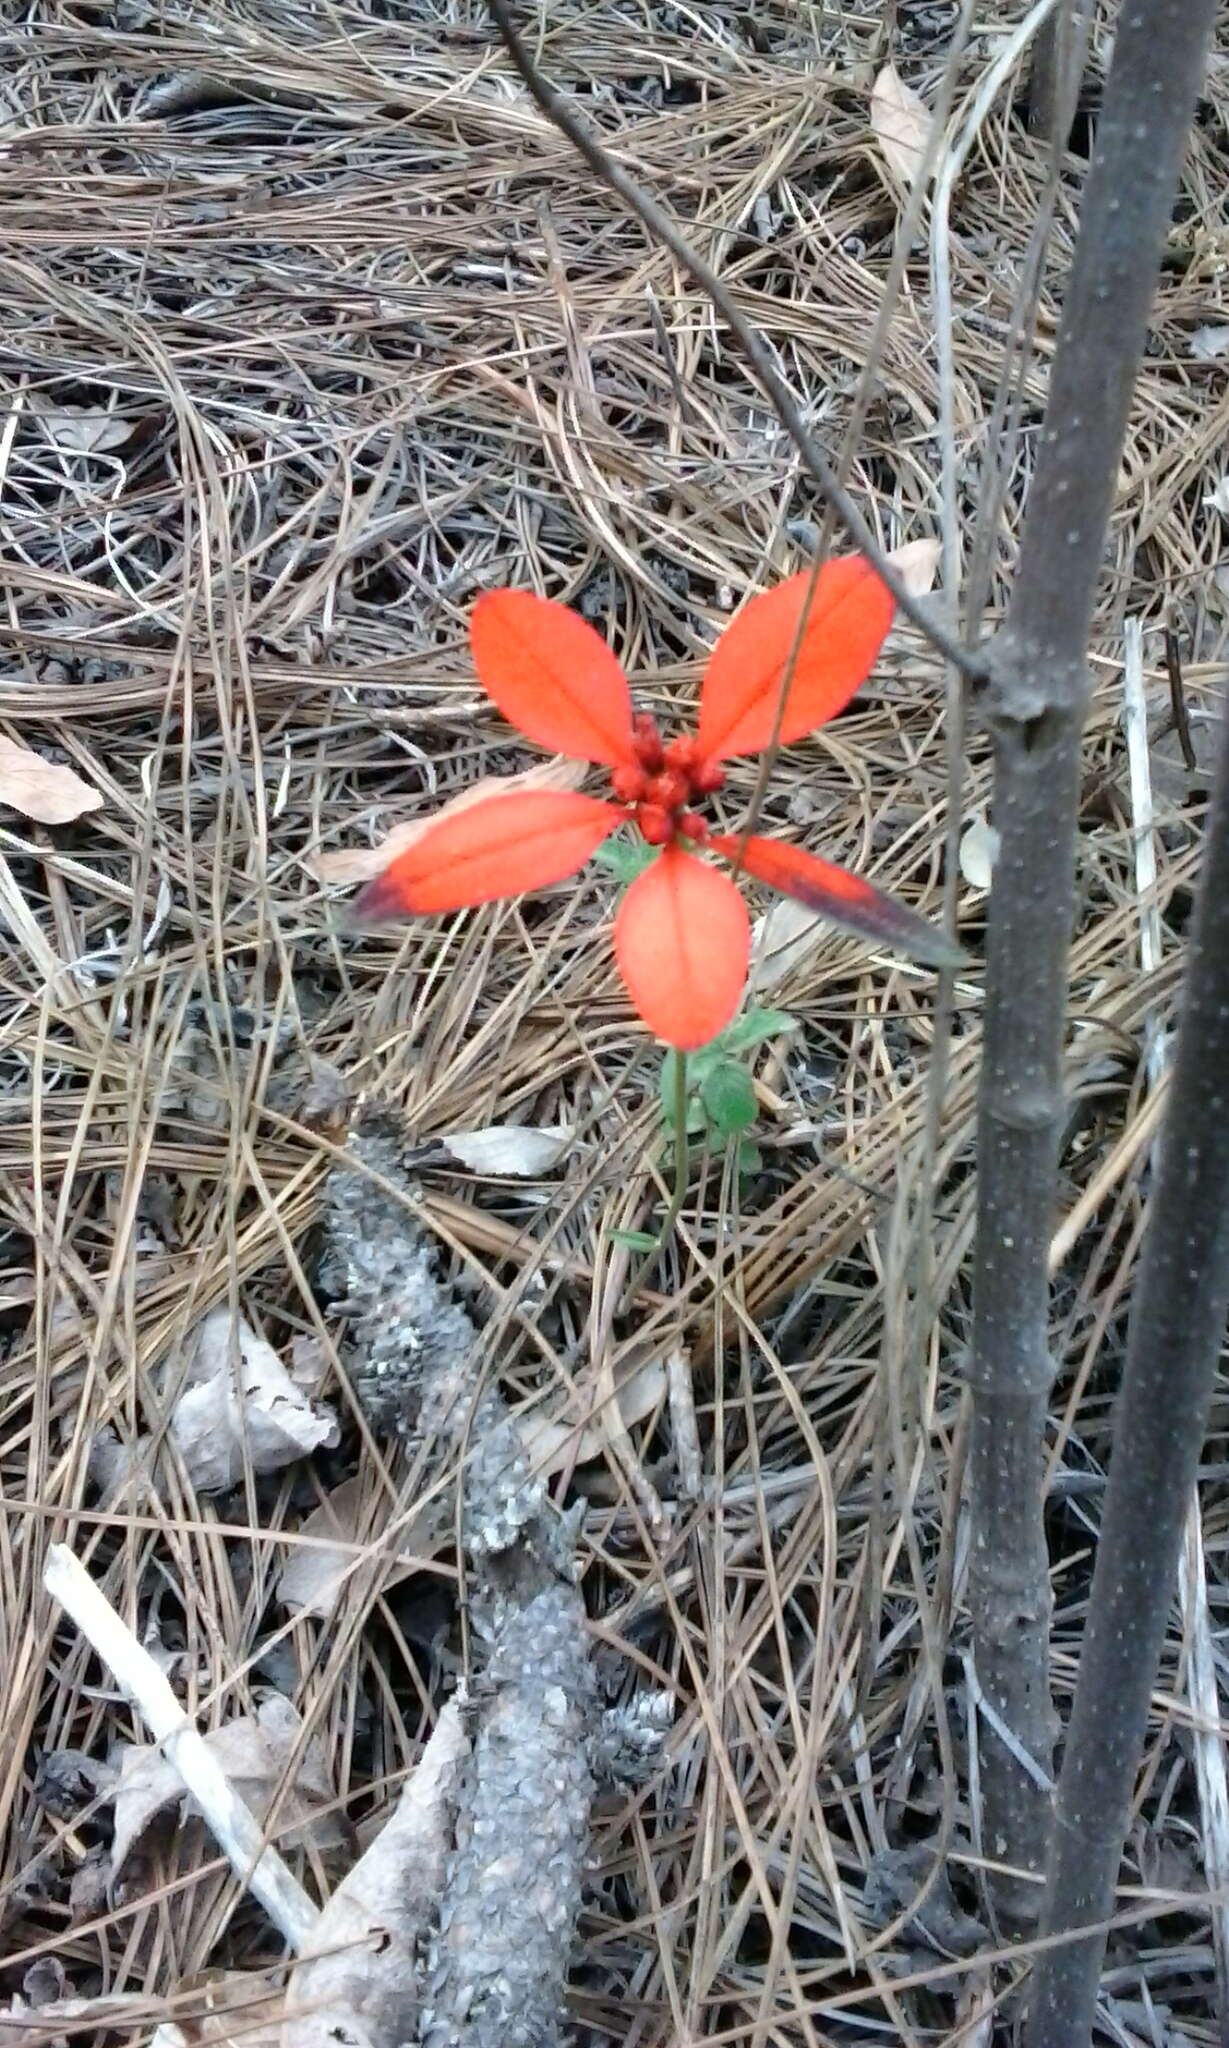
377,343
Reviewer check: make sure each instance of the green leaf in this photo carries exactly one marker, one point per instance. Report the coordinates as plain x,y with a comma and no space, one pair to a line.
750,1158
625,858
729,1099
635,1240
755,1028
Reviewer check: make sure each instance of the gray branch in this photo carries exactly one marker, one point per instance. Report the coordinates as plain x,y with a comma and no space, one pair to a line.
1177,1327
1034,704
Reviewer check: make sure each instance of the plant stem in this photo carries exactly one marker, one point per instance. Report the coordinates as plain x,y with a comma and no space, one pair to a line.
682,1174
1177,1326
1034,705
682,1151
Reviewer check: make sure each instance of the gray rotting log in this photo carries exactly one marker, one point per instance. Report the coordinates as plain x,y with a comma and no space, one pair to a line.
498,1954
1034,704
510,1899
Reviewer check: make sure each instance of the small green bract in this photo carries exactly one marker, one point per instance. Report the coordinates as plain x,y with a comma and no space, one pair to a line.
625,859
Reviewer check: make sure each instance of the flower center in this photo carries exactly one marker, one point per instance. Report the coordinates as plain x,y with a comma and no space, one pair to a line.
664,782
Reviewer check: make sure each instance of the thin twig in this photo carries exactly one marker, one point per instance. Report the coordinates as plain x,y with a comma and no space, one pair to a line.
1177,698
1177,1328
754,347
1210,1774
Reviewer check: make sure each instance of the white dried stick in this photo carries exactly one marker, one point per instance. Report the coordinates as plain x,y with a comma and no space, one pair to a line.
255,1863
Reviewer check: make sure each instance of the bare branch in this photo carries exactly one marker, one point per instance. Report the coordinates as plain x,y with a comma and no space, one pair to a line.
1034,705
1177,1328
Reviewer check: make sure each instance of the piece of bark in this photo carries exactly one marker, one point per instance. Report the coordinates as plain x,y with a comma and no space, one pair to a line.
499,1949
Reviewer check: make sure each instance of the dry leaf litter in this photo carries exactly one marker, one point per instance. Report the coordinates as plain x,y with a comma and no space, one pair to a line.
313,331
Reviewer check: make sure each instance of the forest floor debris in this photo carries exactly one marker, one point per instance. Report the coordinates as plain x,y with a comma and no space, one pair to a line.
314,330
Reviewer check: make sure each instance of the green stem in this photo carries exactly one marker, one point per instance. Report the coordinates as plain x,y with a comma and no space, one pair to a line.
681,1176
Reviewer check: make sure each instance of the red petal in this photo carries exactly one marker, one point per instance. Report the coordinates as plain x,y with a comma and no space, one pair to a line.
552,676
845,899
500,847
846,623
682,938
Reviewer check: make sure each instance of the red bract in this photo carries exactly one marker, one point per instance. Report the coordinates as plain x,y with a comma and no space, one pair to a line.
682,934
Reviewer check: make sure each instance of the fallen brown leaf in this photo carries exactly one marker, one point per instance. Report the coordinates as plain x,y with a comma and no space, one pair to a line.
86,430
979,849
315,1573
522,1150
549,1441
917,562
363,1964
900,122
256,1752
226,2009
238,1406
780,940
47,791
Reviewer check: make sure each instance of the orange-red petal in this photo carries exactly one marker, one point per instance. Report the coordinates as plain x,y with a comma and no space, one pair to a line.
844,899
500,847
846,623
552,676
682,940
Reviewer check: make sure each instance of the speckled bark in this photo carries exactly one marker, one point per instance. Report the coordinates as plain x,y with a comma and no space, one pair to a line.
497,1953
1177,1327
1034,705
497,1975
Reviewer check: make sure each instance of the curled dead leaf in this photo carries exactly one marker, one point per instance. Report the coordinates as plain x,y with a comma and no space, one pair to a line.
1208,344
520,1150
86,430
550,1441
312,1091
917,564
780,941
979,849
363,863
363,1960
48,791
239,1409
268,1765
224,2009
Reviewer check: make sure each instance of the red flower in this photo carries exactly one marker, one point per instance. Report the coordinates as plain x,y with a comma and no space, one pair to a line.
682,933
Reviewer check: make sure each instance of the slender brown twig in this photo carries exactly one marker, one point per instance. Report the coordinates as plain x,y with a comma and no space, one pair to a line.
665,230
1177,698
